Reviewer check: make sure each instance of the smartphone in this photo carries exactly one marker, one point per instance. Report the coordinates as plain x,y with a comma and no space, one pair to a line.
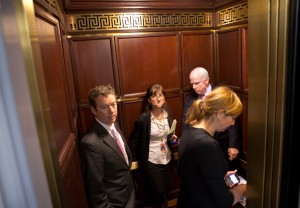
232,180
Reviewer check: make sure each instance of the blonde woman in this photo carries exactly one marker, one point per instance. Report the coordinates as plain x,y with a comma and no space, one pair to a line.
202,166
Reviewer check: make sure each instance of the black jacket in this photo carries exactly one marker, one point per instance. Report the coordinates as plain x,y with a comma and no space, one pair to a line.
140,139
107,176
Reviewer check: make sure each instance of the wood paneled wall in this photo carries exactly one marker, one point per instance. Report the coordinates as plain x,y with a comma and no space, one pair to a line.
232,70
74,63
56,88
134,61
228,68
131,62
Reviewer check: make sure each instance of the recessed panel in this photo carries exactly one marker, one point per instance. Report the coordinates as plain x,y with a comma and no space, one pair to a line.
197,51
229,58
93,65
146,60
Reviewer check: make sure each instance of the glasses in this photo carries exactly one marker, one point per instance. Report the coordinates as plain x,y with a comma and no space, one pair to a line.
157,96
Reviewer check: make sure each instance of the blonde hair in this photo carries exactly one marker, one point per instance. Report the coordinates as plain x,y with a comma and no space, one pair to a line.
221,98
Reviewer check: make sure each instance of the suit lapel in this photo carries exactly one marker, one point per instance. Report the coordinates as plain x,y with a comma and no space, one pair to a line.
127,149
110,141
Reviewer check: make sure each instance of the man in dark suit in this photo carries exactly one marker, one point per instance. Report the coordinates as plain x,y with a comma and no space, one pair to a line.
106,156
229,139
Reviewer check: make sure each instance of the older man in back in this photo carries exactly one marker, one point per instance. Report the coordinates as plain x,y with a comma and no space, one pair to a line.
228,140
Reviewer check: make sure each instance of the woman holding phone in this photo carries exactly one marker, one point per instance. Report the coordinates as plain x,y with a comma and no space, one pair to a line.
202,166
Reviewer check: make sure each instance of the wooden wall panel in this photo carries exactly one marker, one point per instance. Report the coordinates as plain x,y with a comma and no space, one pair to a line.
148,59
131,111
59,104
93,64
197,50
86,119
70,83
175,105
228,70
54,76
71,174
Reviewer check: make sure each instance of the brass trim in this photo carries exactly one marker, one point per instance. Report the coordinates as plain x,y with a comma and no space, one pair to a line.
119,100
134,165
172,202
232,14
138,21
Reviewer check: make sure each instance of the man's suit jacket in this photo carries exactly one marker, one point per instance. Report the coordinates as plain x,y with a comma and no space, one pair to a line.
107,176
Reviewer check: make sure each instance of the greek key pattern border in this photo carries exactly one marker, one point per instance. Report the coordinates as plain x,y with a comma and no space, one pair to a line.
233,14
138,21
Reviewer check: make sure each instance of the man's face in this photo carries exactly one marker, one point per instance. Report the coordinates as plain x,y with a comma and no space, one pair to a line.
107,109
199,85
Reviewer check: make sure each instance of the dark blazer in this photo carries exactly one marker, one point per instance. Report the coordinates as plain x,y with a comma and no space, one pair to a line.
140,138
202,168
227,139
107,176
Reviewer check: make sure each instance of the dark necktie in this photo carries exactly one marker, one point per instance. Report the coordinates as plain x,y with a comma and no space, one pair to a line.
201,96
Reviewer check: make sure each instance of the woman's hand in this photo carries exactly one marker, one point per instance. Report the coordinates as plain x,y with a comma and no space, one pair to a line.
230,172
174,139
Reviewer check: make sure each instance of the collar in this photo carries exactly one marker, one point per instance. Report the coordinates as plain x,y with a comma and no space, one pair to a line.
164,112
107,127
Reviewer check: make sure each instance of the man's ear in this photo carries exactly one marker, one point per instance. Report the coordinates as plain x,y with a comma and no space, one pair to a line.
206,81
94,111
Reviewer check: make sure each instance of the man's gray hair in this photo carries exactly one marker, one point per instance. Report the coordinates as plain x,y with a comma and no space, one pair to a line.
202,72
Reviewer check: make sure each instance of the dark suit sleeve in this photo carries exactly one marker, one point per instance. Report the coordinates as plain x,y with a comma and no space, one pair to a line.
233,137
202,168
94,164
189,99
212,166
187,105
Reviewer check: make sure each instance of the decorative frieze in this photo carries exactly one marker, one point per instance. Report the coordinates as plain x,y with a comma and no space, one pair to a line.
138,21
232,14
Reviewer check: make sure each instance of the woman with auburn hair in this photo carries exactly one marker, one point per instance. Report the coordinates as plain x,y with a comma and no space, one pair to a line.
151,145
